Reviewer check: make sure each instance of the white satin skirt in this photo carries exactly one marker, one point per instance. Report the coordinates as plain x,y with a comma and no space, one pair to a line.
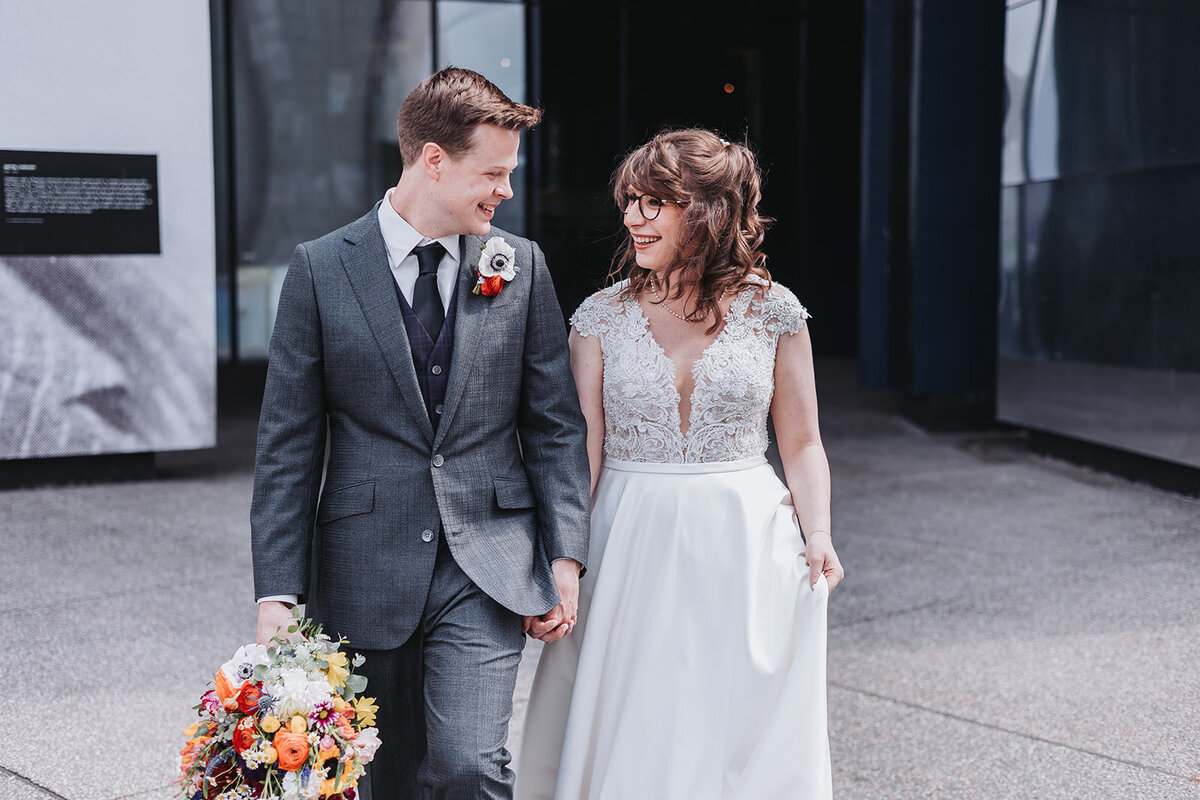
697,668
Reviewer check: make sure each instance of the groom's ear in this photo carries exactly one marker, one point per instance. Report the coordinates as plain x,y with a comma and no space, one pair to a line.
432,159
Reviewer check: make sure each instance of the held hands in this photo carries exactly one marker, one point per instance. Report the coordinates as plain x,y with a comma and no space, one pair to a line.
822,559
558,621
274,618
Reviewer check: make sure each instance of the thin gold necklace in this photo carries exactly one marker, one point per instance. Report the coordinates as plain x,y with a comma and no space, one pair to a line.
663,303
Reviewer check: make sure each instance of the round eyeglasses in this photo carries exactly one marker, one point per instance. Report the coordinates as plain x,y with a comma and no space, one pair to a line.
649,205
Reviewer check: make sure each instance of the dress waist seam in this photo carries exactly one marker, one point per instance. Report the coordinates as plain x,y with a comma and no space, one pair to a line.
684,468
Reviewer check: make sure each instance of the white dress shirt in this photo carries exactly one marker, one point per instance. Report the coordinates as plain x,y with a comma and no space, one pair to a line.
400,239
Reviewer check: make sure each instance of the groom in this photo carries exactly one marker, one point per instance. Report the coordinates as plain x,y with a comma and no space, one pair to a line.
436,420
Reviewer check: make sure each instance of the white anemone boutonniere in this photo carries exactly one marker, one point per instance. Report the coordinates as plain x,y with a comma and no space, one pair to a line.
497,266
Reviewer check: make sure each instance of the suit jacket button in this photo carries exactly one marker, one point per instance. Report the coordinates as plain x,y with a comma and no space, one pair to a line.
427,536
438,460
436,369
437,409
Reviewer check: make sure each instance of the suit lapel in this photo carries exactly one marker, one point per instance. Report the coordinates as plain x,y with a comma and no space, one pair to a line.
366,263
470,315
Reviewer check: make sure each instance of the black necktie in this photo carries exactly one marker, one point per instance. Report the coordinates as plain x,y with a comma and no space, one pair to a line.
426,302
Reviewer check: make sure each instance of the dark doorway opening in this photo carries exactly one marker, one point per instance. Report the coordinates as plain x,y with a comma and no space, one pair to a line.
787,77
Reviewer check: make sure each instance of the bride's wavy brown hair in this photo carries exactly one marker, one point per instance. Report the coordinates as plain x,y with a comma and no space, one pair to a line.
721,231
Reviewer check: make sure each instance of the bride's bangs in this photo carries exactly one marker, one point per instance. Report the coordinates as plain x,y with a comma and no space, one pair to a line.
647,170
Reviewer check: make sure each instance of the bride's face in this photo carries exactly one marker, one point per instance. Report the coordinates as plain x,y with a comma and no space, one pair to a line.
655,240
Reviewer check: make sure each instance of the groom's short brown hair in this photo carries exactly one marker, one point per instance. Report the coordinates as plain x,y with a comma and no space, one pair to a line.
447,107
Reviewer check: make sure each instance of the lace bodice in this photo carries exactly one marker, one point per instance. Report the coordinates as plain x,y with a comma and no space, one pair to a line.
734,378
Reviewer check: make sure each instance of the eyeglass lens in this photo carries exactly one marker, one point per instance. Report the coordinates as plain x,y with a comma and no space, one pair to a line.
648,205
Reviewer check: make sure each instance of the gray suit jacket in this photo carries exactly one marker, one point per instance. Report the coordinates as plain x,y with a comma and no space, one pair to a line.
506,476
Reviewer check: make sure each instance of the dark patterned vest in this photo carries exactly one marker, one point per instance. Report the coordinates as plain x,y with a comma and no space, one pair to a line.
431,359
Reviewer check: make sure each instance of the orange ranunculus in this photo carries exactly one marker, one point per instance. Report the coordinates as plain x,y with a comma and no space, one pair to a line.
247,698
244,734
491,286
291,749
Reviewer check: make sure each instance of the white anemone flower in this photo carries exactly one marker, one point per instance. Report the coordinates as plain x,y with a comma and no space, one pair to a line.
241,666
498,258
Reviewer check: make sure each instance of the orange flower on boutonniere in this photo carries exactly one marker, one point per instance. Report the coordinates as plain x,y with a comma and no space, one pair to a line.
497,266
490,287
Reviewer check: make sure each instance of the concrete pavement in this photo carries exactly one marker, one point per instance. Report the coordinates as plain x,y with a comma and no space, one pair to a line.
1010,626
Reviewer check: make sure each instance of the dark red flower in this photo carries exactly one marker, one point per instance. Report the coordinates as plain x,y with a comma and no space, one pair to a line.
492,286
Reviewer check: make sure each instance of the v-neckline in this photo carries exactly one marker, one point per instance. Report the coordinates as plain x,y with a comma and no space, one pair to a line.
645,320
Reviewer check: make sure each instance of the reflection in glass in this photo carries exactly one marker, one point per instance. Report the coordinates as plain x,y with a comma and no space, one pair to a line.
490,39
316,87
1031,94
1020,44
1100,250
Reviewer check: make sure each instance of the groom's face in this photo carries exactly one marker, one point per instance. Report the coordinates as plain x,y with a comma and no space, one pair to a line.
470,187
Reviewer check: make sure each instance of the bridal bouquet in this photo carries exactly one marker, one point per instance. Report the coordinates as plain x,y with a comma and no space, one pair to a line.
284,722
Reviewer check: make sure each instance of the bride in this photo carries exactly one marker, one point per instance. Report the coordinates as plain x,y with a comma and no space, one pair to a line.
697,669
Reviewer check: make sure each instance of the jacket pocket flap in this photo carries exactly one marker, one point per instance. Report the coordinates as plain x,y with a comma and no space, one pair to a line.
346,501
513,493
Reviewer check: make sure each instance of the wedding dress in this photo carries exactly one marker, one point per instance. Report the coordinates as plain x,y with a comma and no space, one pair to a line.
696,670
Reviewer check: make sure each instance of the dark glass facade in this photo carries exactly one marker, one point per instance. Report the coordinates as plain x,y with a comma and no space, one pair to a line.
1100,250
315,87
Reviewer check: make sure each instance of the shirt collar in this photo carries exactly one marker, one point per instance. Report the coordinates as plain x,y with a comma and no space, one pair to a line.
400,238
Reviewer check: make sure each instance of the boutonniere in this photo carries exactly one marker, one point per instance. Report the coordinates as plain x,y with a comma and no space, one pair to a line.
497,266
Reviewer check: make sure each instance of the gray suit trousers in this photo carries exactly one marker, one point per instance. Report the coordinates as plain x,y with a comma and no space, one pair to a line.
445,697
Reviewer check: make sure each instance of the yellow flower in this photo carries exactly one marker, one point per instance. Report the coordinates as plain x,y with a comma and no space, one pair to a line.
339,705
269,755
298,724
364,711
338,670
268,724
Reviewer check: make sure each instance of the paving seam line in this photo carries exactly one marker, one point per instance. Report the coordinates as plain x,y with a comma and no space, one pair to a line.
1010,731
31,782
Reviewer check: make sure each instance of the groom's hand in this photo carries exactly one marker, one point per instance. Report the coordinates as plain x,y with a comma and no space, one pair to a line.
558,621
273,616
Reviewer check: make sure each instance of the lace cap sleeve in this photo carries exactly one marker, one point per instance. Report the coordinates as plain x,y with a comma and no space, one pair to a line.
597,315
781,311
